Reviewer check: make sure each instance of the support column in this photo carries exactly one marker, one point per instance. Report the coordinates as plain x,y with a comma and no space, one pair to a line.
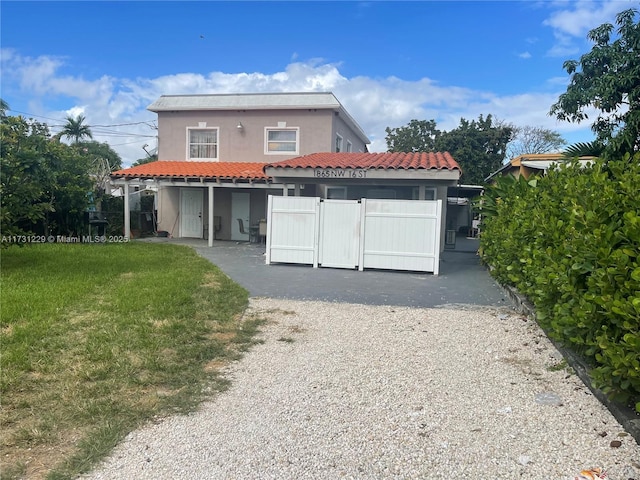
421,192
212,227
296,189
285,190
127,212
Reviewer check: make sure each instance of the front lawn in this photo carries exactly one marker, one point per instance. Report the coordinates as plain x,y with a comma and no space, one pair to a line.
98,339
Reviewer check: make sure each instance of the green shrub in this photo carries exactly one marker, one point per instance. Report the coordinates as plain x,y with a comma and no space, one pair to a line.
570,241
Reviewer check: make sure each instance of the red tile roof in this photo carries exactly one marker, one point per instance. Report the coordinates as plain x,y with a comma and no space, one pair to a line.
383,161
255,170
181,169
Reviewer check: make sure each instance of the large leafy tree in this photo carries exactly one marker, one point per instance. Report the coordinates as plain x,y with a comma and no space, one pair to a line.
75,129
529,139
479,146
417,136
24,176
101,153
607,79
70,189
45,186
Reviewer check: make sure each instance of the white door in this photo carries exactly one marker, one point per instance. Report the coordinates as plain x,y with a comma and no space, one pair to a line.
240,210
191,212
339,233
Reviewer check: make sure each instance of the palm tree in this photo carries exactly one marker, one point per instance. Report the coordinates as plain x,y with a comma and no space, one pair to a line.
584,149
4,106
74,129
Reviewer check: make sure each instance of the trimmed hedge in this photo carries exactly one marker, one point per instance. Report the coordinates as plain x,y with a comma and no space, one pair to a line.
570,241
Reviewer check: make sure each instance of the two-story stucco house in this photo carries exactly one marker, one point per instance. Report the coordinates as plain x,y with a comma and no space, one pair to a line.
221,156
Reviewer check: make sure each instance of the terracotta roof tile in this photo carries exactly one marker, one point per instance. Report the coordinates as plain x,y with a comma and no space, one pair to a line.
255,170
181,169
384,161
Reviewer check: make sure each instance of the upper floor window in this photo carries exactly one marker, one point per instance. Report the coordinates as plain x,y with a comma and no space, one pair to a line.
203,143
349,146
281,140
338,143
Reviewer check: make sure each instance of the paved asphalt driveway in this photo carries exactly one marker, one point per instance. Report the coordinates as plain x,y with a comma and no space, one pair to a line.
462,280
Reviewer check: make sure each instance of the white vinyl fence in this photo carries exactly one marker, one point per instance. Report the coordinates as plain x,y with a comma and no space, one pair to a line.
381,234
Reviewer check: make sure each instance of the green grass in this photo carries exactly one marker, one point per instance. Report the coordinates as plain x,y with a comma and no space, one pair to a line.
98,339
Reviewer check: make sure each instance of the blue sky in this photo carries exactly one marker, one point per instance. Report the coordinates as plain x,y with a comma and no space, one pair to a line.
387,62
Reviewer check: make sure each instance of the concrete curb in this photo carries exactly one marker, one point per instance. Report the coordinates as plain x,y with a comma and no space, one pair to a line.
627,417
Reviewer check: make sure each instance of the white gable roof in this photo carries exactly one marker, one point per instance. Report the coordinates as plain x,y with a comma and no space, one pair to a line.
249,101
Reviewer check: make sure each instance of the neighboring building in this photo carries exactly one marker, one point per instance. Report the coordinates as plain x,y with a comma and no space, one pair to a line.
533,163
220,156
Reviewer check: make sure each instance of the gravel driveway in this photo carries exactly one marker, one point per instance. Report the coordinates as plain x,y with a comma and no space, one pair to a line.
378,392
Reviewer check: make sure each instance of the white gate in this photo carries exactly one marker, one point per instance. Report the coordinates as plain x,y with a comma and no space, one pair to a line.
292,230
401,235
339,233
383,234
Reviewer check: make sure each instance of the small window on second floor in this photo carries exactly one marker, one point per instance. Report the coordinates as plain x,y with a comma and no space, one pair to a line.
203,143
349,146
281,141
338,143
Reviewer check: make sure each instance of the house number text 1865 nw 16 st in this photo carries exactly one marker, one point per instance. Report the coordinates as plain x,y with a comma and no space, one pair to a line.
339,173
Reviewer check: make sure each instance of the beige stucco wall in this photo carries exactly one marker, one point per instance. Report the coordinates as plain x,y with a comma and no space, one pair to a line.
168,203
317,133
340,127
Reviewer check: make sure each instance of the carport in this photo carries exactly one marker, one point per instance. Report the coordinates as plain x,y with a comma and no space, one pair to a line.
383,211
397,203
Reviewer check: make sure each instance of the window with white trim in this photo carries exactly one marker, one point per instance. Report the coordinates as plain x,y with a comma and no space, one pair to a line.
349,146
281,141
203,143
338,143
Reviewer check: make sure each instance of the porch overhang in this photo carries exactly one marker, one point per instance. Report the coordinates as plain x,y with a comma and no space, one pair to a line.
359,175
196,182
367,168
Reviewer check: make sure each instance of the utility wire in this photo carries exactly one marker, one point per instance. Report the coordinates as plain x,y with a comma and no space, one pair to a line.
150,124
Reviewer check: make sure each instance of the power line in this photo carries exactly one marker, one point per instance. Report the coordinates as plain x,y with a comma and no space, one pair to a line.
150,124
126,124
33,115
126,143
102,130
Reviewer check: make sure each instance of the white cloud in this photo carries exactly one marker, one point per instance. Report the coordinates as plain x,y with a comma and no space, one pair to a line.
573,20
525,55
375,103
75,111
584,16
